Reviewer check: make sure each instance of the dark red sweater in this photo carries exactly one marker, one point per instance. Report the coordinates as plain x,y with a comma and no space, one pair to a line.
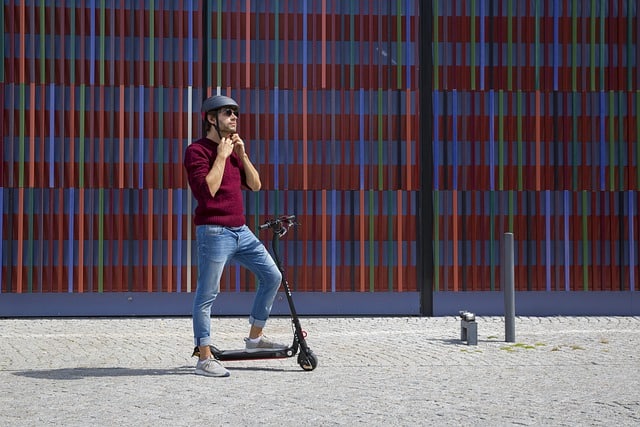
227,207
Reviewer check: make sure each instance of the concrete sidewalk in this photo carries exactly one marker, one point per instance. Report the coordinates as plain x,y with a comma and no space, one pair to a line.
401,371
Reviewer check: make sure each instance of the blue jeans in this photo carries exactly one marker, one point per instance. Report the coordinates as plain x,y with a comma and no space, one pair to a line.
217,246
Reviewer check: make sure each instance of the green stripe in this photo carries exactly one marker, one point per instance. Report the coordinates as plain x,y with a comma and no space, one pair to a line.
380,143
21,138
585,243
102,41
371,242
473,44
101,239
219,45
501,140
519,130
509,45
152,59
81,137
399,41
436,46
574,46
612,144
436,239
43,39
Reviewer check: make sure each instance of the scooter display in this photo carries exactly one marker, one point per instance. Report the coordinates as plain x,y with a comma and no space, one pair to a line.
306,358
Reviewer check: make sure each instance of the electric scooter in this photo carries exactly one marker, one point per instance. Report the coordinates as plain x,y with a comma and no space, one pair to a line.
306,358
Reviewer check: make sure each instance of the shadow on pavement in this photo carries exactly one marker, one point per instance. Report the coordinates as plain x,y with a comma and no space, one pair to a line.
81,373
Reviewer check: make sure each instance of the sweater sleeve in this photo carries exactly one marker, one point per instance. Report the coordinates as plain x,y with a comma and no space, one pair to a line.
197,165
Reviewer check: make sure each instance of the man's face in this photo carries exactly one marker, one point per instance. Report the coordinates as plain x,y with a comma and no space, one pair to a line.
228,120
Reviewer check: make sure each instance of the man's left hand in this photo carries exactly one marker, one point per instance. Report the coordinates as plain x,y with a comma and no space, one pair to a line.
238,145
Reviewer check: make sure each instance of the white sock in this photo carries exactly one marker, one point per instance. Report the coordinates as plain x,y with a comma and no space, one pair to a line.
255,340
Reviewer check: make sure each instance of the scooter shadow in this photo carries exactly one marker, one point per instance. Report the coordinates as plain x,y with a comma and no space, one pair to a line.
259,369
82,373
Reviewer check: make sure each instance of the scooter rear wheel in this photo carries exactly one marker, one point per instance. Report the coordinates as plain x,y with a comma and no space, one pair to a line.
307,362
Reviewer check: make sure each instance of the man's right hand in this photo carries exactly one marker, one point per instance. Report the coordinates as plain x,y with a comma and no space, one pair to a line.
225,147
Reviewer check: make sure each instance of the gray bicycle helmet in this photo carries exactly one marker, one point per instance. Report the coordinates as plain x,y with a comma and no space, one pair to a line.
216,102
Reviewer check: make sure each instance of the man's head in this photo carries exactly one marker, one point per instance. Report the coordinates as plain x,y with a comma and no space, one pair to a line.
218,112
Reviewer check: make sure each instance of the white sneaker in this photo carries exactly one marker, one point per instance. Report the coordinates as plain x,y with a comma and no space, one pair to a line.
264,344
211,368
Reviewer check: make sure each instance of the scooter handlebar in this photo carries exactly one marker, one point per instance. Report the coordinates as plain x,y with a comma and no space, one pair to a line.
277,222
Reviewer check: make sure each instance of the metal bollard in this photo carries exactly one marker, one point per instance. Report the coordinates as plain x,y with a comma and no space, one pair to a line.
468,328
508,287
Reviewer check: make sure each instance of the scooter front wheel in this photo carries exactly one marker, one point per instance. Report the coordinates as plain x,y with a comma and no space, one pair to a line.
308,361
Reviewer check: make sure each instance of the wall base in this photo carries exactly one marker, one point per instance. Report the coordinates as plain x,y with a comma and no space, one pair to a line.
323,304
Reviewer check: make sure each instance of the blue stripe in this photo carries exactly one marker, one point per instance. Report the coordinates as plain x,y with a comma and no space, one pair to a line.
178,263
361,123
141,124
304,43
237,283
334,245
190,9
567,241
632,243
276,141
547,243
482,30
52,133
406,45
92,41
71,240
1,233
454,142
603,151
556,48
492,139
436,135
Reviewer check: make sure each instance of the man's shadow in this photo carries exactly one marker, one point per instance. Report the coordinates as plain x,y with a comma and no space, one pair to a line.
82,373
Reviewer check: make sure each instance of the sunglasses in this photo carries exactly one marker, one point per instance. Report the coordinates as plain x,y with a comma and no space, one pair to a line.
229,111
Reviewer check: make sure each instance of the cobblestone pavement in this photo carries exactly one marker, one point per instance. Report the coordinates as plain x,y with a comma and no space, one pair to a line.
403,371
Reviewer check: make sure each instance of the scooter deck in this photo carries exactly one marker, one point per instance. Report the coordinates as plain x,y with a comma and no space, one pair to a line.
246,355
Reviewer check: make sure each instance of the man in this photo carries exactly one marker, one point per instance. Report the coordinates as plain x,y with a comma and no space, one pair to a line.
218,167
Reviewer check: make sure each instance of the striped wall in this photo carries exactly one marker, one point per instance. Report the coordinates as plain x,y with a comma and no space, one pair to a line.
101,98
536,132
